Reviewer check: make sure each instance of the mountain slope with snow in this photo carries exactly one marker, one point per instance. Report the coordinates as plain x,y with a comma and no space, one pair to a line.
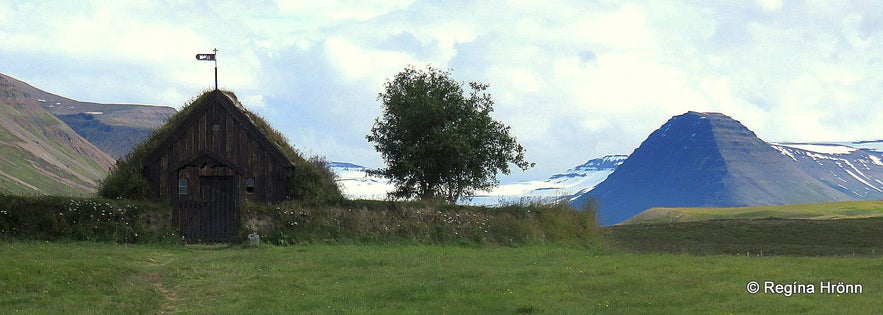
748,170
704,160
853,171
581,178
357,183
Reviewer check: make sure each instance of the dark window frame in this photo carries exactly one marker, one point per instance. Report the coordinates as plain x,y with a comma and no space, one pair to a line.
183,187
249,185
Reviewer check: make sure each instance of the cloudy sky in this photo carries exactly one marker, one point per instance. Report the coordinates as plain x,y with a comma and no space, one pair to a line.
574,79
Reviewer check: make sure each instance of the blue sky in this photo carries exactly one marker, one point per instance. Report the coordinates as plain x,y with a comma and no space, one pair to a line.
574,79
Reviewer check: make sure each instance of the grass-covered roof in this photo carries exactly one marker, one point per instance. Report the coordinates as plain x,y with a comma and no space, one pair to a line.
311,179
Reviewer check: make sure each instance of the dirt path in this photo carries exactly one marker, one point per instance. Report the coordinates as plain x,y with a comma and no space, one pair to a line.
169,301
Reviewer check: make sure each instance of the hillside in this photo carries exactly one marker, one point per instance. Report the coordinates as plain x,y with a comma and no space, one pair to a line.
39,154
816,211
113,128
704,160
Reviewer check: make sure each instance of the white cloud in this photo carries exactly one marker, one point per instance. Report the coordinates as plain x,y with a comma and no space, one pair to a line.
358,63
340,10
770,5
574,79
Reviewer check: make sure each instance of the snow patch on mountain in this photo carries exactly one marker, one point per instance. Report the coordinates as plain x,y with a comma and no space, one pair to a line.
826,148
581,178
855,168
356,182
873,145
851,167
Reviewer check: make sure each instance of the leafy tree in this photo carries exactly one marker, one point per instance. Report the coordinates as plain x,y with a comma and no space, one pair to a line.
437,141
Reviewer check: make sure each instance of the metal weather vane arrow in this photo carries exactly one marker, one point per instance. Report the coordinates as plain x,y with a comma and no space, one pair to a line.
211,57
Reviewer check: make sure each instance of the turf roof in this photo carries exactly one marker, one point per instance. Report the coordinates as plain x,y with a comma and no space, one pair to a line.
311,179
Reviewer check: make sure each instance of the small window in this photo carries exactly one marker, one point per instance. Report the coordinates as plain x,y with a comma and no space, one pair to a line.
216,127
249,185
183,187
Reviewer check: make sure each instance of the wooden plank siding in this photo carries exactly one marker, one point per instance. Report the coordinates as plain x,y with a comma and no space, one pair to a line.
235,147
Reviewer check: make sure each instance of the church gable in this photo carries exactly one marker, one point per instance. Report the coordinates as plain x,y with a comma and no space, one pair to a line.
217,138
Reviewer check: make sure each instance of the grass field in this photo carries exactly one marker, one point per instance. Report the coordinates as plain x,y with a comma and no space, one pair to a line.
847,237
816,211
85,277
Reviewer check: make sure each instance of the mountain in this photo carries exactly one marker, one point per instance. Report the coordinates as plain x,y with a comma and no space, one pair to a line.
576,180
704,160
113,128
356,183
694,160
853,171
40,154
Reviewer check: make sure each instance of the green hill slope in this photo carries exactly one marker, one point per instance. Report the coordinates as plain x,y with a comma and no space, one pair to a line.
39,154
814,211
113,128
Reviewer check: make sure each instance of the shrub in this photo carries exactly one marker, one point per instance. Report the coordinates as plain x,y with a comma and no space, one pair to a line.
313,181
126,181
88,219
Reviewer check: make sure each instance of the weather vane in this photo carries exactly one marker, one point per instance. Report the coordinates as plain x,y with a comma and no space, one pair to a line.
211,57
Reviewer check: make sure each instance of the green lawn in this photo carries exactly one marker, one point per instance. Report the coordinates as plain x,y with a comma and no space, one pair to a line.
66,278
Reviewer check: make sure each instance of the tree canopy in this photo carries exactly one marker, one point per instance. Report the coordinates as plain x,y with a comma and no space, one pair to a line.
439,142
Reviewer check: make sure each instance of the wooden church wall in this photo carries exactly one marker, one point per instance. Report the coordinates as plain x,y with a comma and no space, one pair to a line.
212,129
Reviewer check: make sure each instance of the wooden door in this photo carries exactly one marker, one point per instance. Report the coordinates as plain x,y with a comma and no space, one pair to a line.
211,213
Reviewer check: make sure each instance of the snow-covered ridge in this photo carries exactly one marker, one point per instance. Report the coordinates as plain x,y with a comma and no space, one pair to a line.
873,145
835,147
851,167
609,162
580,178
356,182
345,166
826,148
